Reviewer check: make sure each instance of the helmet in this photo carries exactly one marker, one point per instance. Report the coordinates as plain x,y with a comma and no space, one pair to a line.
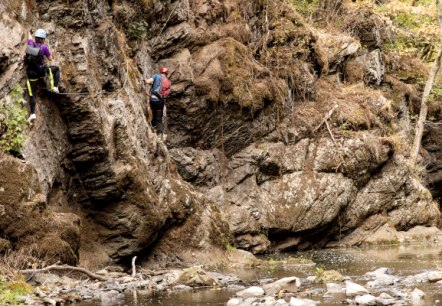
40,33
164,70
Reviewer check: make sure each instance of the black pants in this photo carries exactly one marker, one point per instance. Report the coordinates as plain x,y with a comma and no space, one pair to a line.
34,77
157,108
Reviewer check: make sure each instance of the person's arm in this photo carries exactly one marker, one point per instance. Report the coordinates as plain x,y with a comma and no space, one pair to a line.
29,35
148,81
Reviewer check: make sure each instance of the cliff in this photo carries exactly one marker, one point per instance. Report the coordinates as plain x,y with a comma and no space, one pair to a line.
288,128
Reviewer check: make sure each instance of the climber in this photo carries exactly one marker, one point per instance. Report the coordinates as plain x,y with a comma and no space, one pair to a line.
37,54
159,92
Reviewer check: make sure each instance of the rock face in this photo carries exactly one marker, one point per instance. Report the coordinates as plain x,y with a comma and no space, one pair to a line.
432,144
28,222
249,155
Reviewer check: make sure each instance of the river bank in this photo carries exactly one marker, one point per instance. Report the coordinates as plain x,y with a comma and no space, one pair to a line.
382,275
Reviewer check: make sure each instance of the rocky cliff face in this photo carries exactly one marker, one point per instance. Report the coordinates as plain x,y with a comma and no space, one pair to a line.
280,135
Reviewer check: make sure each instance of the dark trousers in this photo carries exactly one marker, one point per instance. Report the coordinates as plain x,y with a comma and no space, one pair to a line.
157,107
34,77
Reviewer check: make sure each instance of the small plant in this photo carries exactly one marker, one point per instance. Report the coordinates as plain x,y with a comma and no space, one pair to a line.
13,121
319,272
10,292
230,247
138,30
273,261
436,94
306,7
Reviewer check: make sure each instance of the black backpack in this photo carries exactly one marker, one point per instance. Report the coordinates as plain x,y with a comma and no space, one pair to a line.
33,57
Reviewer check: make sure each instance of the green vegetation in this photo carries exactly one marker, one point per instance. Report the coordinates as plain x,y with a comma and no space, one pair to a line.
411,21
10,292
416,28
230,247
138,30
435,94
305,7
13,121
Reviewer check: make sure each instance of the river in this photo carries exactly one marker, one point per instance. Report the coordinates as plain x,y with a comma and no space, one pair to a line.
404,260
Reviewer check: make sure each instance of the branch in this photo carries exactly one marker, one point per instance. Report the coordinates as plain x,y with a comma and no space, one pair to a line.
64,268
336,145
329,114
134,270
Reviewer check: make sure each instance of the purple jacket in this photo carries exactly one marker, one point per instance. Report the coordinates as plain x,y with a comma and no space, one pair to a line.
44,50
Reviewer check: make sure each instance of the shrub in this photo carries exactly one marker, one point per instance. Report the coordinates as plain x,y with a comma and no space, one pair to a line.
138,30
13,121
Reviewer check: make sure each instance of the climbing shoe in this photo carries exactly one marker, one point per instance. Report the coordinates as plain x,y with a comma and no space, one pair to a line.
55,89
32,117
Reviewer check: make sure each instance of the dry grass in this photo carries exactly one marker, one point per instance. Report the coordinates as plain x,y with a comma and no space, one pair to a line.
14,261
359,107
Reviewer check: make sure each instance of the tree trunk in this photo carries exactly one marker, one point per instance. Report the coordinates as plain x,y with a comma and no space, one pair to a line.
428,86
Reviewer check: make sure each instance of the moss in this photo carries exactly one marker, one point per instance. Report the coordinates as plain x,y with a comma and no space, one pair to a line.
326,276
10,291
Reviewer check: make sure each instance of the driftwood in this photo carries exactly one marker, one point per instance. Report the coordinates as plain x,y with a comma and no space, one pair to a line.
65,268
134,270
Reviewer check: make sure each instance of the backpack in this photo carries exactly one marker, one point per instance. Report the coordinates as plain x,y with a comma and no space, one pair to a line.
162,91
33,57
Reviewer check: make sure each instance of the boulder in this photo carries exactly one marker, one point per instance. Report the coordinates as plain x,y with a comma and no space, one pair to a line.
366,299
302,302
286,284
253,291
353,289
196,276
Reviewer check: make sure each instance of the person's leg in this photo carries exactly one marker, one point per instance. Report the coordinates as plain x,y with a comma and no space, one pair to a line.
159,122
157,115
56,74
32,91
153,109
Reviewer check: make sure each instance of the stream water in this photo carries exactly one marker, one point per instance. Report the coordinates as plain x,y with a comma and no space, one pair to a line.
404,260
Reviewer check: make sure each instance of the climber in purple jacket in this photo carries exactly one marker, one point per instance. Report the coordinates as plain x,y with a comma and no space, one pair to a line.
35,60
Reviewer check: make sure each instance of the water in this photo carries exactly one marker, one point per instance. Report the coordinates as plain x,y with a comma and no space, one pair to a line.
404,260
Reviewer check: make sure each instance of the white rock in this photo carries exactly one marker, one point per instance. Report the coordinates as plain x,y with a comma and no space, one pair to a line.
302,302
379,272
353,289
385,299
416,296
383,280
268,301
253,291
434,276
335,288
234,302
416,279
281,302
366,299
287,283
249,302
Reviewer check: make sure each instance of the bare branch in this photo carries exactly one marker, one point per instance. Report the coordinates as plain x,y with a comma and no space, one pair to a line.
64,268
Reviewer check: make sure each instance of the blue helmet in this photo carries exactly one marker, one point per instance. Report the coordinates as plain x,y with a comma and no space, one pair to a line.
40,33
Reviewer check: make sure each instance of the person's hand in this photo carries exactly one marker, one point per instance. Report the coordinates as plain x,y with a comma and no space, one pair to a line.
31,31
